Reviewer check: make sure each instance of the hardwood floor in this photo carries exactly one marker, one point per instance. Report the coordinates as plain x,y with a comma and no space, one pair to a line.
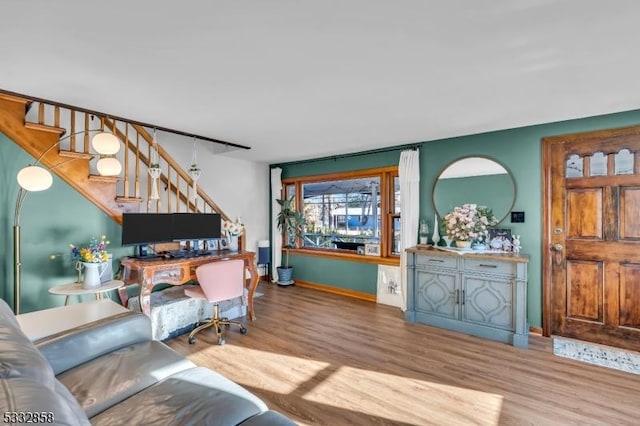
325,359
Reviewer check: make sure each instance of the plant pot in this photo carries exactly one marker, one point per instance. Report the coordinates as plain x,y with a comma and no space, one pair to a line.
92,274
285,274
463,244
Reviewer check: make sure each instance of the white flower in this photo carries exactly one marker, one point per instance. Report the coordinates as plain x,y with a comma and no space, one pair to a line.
469,222
233,229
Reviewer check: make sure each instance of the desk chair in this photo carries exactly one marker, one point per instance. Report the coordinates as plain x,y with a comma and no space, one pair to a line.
218,281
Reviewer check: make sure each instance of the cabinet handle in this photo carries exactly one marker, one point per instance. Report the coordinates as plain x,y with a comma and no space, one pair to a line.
457,297
436,260
484,265
463,297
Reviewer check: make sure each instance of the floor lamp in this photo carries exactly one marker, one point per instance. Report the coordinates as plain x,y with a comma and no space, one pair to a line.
36,178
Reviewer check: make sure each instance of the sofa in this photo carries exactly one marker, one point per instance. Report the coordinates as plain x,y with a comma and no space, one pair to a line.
111,372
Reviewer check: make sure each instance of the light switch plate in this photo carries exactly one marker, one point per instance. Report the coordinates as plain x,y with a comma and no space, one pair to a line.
517,217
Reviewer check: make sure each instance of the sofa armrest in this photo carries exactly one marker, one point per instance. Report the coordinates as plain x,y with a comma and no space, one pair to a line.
73,347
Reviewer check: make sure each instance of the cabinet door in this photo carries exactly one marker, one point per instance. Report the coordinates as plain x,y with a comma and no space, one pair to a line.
488,301
435,293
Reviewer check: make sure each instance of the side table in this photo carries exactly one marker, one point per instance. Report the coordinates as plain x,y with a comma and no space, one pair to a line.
40,324
76,289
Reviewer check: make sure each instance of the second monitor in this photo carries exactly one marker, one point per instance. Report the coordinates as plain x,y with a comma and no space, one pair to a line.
196,226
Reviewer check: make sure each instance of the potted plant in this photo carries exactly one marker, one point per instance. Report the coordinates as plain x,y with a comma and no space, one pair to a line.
291,222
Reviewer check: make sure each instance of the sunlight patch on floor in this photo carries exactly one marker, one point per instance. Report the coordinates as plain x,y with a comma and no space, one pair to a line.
385,398
273,372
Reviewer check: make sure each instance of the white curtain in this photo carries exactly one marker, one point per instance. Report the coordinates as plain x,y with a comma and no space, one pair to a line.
276,240
409,174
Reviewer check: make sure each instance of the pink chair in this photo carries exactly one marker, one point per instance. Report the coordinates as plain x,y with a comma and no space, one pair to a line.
218,281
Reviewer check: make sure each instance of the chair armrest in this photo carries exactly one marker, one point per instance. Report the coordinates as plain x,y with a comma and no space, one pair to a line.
73,347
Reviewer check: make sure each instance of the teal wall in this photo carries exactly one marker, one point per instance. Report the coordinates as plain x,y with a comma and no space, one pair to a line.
519,149
50,221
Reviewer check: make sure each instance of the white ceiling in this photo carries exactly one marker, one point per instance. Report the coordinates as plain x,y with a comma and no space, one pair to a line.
298,79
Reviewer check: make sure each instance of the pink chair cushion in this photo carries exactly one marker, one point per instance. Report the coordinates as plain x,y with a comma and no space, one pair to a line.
194,292
222,280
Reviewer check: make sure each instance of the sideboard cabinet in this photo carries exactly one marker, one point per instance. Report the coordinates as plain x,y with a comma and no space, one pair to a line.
482,294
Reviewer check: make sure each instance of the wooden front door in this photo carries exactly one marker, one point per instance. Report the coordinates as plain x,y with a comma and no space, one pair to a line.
592,234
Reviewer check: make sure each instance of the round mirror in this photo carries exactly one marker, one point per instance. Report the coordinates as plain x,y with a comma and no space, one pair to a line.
475,180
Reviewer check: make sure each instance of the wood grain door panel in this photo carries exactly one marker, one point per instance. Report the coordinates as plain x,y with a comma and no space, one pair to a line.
585,286
629,296
584,213
630,213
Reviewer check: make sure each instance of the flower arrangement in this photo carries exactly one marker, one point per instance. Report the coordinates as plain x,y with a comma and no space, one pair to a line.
233,229
469,222
94,252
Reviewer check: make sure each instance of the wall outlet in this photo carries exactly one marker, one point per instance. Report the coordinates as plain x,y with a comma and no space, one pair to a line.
517,217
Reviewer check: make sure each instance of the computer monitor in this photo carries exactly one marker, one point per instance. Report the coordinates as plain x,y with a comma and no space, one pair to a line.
146,228
196,226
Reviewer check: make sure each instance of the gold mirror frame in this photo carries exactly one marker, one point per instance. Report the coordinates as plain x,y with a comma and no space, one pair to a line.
441,210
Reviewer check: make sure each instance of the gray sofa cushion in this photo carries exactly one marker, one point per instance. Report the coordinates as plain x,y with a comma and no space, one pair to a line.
197,396
70,348
113,377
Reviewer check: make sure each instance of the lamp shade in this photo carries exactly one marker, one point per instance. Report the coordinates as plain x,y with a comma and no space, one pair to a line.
105,143
35,178
109,166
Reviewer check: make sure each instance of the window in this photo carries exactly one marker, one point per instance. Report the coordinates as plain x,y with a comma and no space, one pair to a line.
345,212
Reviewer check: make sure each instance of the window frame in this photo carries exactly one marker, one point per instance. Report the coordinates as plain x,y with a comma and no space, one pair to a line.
387,213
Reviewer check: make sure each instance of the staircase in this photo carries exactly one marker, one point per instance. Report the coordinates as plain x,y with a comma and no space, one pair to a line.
37,126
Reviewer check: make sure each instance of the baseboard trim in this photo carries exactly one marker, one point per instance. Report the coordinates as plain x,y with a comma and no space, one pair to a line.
364,296
535,330
337,290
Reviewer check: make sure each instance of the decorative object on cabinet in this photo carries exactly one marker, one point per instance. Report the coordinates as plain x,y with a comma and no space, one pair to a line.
436,232
500,239
423,232
478,180
475,293
515,244
463,244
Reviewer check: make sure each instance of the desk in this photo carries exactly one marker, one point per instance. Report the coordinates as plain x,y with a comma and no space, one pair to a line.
178,271
77,289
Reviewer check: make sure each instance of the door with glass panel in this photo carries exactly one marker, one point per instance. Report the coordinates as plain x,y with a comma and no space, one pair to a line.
592,237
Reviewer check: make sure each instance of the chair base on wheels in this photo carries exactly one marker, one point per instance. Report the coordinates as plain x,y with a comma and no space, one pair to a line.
217,323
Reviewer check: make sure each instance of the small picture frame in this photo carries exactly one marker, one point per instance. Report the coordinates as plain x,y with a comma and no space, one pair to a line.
499,239
360,250
212,245
223,244
372,249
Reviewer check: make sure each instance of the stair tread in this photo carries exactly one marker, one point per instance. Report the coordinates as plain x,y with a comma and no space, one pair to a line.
100,178
129,199
74,154
45,128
